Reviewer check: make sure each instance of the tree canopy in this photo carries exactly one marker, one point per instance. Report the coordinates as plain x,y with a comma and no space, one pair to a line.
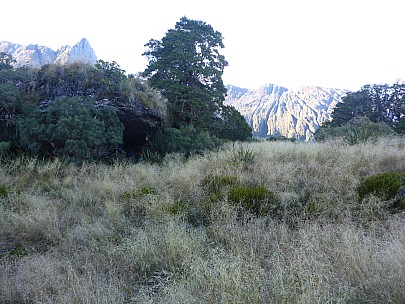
380,103
373,111
187,67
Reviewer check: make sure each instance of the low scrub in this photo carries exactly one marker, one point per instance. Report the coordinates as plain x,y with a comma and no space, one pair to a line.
285,227
185,140
387,186
355,131
255,199
216,184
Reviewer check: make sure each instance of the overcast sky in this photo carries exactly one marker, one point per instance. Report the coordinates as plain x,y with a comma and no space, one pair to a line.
332,43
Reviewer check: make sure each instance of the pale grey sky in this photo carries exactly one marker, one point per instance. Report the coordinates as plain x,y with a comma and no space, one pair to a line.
332,43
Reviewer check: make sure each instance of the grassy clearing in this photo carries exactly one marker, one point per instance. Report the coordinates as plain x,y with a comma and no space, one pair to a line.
175,232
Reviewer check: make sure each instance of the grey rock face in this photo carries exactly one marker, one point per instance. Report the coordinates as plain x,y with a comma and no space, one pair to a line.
36,56
80,52
277,111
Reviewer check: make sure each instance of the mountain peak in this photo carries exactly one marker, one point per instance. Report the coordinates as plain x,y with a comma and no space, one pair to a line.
273,110
35,55
83,41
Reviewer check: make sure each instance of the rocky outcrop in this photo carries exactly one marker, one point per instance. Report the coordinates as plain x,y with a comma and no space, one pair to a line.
80,52
36,56
277,111
139,123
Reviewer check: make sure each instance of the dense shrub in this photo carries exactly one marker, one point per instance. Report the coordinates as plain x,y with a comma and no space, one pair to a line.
243,157
356,130
255,199
198,213
4,191
25,94
5,148
11,83
384,185
185,140
177,207
138,193
78,79
281,138
400,127
70,128
215,184
230,125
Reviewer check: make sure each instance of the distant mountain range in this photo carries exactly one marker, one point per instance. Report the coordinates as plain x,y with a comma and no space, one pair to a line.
270,110
276,111
35,55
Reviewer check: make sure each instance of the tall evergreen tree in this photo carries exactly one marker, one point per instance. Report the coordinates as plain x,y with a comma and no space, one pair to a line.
353,104
187,68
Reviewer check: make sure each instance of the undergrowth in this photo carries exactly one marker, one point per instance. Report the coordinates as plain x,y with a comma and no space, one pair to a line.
272,222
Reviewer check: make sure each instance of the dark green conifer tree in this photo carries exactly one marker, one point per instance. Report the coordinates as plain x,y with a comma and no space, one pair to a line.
187,67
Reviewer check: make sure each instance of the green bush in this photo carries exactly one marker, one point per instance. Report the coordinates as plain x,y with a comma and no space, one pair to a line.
138,193
5,148
399,127
146,191
384,185
151,156
185,140
215,184
358,129
198,213
255,199
19,251
231,125
281,138
361,129
70,128
177,207
195,213
244,157
4,191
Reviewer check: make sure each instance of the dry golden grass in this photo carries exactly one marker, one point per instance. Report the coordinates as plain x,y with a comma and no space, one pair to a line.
146,233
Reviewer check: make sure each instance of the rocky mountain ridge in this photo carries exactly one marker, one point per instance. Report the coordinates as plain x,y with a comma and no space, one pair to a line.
273,110
35,55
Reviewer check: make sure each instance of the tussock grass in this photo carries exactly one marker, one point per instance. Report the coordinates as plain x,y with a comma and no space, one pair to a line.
173,232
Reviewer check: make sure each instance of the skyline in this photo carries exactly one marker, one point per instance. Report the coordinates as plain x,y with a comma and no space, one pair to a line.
335,44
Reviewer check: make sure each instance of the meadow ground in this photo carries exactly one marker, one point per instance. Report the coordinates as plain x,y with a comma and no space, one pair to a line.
270,222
